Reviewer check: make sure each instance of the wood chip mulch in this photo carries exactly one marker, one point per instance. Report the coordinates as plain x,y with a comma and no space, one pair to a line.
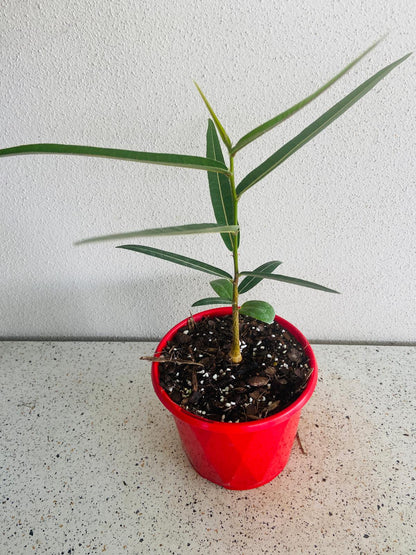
199,376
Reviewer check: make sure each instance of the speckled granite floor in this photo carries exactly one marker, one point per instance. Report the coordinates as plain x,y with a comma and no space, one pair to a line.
91,461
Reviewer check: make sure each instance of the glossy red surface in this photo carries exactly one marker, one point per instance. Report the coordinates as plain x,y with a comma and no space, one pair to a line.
238,455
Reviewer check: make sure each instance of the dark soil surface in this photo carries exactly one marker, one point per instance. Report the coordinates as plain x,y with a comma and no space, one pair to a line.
273,373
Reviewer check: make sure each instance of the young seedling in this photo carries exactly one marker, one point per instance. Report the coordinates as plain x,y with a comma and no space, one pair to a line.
225,197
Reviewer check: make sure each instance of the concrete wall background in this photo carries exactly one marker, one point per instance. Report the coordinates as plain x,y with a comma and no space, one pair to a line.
340,212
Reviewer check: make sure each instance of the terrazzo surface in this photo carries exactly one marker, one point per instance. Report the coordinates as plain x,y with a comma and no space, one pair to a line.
91,462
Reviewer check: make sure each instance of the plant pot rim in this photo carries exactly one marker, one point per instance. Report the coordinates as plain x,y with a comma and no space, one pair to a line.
243,427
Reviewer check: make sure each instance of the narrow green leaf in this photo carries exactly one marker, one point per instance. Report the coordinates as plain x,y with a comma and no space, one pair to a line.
212,300
258,309
223,288
181,160
250,282
178,259
288,279
268,125
312,130
221,130
222,197
176,230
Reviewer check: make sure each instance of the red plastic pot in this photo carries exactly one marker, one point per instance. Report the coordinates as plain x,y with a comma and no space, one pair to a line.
242,455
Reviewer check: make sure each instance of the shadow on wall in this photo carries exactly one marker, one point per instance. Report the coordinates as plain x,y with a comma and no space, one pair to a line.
139,309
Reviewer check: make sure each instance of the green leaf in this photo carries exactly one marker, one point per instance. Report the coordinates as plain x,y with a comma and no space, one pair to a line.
178,259
181,160
223,288
288,279
250,282
176,230
222,197
221,130
258,309
268,125
312,130
212,300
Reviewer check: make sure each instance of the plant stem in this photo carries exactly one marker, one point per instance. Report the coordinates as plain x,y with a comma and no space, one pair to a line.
235,353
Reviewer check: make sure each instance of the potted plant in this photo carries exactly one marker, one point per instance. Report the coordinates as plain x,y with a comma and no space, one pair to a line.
235,378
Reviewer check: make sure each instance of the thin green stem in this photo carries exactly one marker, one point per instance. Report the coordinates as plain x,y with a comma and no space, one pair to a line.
235,354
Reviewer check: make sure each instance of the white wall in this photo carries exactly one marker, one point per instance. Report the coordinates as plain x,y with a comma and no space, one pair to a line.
340,212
